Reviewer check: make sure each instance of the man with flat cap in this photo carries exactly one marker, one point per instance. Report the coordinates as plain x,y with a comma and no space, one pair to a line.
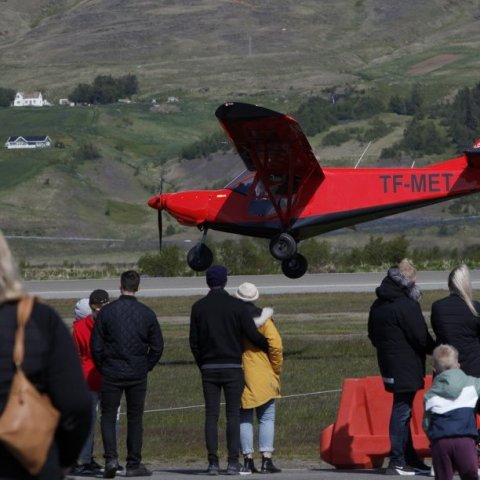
218,324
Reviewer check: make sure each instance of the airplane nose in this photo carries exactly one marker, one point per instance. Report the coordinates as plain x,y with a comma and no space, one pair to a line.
158,202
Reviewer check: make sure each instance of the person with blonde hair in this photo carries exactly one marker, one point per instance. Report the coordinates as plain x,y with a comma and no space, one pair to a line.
398,331
449,418
262,384
51,363
455,320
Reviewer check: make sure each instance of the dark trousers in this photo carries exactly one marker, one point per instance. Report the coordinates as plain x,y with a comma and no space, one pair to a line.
402,452
232,381
450,454
109,403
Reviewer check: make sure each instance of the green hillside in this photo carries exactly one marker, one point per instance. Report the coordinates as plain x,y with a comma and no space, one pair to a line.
109,159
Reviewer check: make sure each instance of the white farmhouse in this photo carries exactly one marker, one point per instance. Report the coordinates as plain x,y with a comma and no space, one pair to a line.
29,99
28,141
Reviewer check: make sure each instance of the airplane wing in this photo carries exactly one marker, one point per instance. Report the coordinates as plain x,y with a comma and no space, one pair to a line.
267,139
273,145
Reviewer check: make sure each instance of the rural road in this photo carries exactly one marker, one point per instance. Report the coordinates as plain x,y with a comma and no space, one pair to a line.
267,284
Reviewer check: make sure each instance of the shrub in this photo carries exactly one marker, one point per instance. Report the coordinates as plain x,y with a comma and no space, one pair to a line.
170,262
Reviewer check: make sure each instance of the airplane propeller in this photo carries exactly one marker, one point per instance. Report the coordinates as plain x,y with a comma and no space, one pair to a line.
160,230
160,217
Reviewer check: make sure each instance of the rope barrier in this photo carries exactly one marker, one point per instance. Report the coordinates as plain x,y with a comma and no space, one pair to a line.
192,407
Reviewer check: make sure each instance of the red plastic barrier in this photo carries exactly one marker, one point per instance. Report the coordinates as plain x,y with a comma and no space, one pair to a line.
359,438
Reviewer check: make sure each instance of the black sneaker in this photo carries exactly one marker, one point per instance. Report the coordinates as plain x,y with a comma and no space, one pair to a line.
139,471
249,465
96,467
111,468
83,470
268,466
399,470
213,469
420,467
237,469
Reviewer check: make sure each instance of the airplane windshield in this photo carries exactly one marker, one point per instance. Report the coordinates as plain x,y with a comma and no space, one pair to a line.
242,183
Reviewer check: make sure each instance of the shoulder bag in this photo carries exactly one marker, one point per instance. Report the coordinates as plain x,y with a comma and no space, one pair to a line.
29,420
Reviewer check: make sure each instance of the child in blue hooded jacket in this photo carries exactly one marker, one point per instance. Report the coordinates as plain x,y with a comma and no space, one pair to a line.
449,419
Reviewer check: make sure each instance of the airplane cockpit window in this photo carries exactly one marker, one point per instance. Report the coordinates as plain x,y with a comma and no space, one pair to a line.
241,184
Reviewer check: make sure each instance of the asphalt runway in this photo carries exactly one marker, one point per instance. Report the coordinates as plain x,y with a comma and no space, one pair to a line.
320,472
267,284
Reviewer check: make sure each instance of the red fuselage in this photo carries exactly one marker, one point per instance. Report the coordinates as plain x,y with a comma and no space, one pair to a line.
343,197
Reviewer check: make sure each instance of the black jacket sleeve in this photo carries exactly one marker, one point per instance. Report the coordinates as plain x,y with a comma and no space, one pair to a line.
155,344
68,392
251,332
97,344
194,337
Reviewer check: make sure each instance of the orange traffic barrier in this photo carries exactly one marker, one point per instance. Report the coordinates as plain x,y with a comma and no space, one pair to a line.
359,438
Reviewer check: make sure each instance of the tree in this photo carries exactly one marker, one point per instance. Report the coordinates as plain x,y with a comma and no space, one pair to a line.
7,96
423,136
105,89
128,84
397,105
82,93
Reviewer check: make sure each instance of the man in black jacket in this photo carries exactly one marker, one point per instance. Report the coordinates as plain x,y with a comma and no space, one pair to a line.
218,324
126,344
397,329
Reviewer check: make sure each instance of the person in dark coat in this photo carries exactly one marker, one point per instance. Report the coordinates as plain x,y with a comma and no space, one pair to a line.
218,325
397,329
126,344
51,363
456,321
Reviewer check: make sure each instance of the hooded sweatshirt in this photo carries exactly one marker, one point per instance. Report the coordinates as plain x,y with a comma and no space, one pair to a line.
450,405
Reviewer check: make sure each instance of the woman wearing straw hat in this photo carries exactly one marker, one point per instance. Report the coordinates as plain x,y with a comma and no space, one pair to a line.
262,384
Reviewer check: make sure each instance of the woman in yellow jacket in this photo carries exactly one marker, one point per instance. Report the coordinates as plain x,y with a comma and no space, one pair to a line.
262,384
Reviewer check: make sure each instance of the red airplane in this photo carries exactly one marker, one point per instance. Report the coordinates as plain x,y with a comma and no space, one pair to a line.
286,196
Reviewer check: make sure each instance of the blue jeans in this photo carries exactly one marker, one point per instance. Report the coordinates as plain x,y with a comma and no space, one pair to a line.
402,452
86,455
266,427
232,382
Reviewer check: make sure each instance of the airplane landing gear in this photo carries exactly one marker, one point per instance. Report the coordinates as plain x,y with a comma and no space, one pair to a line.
295,267
199,257
283,246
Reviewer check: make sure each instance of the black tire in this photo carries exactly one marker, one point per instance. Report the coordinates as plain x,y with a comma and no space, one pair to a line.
283,246
199,257
295,267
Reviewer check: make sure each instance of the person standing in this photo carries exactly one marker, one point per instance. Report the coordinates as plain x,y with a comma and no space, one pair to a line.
126,344
51,363
86,310
82,309
455,320
449,419
262,384
398,331
218,325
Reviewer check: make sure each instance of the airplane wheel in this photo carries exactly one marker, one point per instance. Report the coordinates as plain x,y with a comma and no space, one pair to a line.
283,246
295,267
199,257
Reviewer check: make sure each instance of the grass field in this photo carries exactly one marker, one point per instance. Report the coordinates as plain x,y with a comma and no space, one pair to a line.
325,341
